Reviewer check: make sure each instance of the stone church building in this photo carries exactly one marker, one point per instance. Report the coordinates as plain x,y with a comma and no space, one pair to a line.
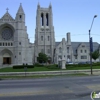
16,49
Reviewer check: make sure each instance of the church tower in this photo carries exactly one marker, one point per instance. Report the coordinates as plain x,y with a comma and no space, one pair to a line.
20,38
44,32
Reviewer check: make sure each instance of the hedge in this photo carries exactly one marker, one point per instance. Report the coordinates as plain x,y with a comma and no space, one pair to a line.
82,65
22,67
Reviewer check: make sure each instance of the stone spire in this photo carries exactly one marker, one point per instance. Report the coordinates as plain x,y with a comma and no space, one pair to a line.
38,6
20,10
50,5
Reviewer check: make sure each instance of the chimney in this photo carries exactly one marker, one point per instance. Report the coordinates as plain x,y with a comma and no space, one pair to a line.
68,38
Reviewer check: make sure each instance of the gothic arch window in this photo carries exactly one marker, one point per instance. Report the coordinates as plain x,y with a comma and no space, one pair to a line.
7,33
60,50
3,44
47,19
42,21
11,44
20,16
8,44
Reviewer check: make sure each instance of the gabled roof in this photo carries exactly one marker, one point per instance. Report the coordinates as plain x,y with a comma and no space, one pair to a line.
76,44
7,16
57,43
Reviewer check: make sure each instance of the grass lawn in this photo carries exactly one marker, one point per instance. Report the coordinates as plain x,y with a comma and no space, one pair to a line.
45,68
81,67
51,68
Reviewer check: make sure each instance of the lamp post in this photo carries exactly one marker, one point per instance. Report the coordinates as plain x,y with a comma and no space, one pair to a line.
90,41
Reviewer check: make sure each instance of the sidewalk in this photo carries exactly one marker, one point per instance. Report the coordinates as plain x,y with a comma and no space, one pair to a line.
61,72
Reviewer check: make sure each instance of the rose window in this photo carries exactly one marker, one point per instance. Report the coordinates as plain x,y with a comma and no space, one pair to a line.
7,34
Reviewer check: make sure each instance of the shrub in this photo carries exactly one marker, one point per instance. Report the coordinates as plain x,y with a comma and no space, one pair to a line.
22,67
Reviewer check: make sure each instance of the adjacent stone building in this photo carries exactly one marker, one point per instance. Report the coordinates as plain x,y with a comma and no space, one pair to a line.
16,49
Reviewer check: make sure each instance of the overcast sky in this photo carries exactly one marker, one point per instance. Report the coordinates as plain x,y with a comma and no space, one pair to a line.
74,16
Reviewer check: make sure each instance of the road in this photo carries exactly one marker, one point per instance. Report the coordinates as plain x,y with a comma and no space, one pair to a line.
57,88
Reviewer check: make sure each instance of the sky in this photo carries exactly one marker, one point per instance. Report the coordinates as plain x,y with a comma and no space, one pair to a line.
74,16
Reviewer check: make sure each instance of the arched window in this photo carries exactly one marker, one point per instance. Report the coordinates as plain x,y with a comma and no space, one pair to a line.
42,21
3,44
47,19
8,44
0,44
20,17
11,44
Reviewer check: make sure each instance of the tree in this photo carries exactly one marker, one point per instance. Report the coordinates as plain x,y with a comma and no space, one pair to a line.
95,54
42,58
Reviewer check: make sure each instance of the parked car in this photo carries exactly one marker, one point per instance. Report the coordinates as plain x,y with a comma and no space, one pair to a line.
70,63
82,63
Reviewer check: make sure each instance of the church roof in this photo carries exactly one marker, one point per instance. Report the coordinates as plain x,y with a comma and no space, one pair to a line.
7,16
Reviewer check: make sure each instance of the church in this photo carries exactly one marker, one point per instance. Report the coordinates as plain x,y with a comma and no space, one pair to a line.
16,49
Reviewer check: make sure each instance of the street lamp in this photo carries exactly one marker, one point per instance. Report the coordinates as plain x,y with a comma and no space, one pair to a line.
90,41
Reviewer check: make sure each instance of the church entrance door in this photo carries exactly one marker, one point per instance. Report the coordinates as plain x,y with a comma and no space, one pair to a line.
6,60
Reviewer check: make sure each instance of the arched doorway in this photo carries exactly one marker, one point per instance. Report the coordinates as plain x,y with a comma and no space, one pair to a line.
6,56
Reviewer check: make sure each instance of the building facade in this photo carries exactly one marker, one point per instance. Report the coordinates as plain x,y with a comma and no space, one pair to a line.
16,49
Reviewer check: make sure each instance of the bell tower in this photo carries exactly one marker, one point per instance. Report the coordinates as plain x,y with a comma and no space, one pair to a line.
44,32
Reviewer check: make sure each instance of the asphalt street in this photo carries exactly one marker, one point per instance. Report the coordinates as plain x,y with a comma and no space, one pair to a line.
57,88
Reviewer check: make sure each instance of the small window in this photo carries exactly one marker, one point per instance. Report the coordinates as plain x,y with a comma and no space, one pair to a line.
75,57
48,38
0,44
68,56
19,53
41,38
11,44
83,57
81,51
85,51
83,46
60,57
20,16
8,44
3,44
67,49
19,43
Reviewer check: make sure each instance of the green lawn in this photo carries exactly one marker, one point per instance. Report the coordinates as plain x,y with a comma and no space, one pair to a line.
45,68
81,67
52,68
